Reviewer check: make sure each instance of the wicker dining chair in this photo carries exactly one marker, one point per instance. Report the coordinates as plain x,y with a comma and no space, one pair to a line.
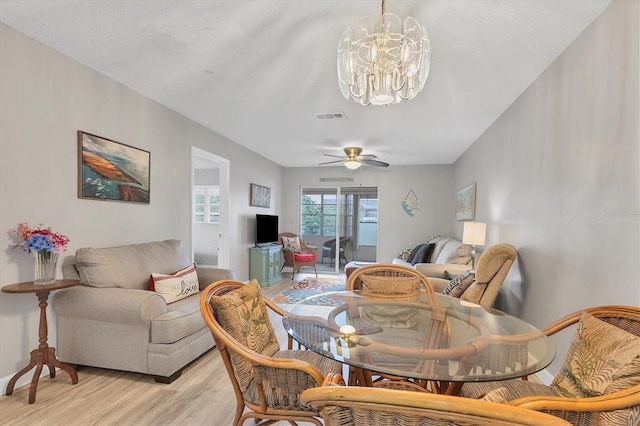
266,380
374,406
385,280
619,403
388,280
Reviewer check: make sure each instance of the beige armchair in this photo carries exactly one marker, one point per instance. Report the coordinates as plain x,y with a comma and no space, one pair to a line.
491,270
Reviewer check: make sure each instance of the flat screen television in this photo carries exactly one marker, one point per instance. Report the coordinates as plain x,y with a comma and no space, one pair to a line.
266,229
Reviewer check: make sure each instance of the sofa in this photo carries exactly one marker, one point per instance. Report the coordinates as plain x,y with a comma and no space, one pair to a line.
114,321
439,255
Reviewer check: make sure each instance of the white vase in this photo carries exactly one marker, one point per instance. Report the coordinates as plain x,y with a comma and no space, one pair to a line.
45,267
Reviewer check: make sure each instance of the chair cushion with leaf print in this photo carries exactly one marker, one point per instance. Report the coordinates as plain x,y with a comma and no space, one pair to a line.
603,360
597,355
243,314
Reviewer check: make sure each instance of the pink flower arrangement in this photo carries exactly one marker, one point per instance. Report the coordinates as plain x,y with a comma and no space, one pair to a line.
39,239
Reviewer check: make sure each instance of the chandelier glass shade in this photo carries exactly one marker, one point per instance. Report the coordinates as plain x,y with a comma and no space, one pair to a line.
383,61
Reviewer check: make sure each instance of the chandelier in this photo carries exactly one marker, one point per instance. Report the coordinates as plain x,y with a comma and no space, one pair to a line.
385,61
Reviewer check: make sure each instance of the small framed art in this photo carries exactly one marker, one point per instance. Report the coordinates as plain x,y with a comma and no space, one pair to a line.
466,203
112,171
260,196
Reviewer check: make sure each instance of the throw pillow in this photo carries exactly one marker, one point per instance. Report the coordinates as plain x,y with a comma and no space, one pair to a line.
291,244
426,255
598,353
243,314
422,254
413,253
458,285
448,275
176,286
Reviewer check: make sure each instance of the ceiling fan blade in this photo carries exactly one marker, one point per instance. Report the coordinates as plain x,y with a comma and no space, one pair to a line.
367,157
336,156
375,163
330,162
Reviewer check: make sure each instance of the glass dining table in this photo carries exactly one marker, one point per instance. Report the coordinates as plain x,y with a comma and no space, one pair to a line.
434,340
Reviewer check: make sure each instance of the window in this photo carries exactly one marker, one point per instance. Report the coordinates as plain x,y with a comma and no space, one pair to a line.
368,220
319,214
206,202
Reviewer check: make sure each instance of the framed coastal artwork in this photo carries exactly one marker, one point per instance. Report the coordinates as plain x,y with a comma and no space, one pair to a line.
112,171
260,196
466,203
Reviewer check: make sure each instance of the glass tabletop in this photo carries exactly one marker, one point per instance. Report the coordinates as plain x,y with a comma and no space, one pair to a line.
430,337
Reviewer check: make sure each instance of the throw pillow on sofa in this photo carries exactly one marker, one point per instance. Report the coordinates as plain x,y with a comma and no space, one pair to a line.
423,254
176,286
458,285
413,253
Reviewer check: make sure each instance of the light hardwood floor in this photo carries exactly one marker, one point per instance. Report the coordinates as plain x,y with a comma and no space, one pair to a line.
201,396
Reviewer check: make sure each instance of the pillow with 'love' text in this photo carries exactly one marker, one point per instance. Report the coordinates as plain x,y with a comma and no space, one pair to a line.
176,286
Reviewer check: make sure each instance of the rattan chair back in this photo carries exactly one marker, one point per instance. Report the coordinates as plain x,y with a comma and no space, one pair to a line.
353,406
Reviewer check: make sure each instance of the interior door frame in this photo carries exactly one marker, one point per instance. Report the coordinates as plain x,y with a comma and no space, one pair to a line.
223,166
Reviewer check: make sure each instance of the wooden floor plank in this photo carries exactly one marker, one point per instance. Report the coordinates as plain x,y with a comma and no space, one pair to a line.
203,394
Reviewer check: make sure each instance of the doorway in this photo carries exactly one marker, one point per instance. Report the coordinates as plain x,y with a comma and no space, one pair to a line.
210,189
342,222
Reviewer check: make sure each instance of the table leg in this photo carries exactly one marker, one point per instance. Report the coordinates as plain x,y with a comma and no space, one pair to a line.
44,355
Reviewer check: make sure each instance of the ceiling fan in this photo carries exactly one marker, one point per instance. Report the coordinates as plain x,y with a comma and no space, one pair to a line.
355,160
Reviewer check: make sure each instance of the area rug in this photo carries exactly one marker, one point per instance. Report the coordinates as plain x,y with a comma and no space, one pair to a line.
311,287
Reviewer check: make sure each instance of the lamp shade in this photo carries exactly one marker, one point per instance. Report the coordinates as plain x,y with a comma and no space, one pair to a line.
352,164
474,233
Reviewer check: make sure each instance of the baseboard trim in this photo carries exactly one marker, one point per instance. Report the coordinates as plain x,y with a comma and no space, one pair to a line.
24,380
545,376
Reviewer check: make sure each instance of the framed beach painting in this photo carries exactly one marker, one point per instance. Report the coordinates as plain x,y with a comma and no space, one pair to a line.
260,196
112,171
466,203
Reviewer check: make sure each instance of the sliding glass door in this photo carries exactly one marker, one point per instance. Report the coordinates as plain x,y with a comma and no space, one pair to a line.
342,222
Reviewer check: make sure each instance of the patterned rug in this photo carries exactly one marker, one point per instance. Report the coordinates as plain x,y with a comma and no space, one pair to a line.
310,287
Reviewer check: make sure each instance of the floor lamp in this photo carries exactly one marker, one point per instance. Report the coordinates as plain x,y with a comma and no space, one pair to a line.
474,234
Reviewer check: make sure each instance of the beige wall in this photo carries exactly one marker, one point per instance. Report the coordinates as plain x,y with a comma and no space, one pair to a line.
558,177
45,98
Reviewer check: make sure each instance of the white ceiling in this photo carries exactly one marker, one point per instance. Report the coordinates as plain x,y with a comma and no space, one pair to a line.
256,71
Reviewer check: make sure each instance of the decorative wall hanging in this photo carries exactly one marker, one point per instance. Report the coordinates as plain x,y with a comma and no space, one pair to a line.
411,205
260,196
466,203
110,170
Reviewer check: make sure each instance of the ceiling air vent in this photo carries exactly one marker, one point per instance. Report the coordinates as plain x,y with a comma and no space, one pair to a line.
330,116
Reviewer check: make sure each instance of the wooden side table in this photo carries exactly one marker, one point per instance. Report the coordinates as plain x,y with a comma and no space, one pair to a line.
44,355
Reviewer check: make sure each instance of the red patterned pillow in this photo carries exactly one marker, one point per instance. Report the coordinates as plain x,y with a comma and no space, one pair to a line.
176,286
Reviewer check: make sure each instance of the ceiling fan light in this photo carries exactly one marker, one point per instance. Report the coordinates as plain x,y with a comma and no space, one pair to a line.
352,164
